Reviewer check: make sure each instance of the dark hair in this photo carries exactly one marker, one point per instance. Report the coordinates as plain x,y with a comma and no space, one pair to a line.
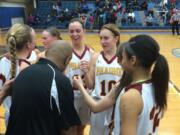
77,20
126,78
54,32
114,29
146,49
119,50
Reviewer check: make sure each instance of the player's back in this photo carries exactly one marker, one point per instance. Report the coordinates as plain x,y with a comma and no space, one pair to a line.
149,118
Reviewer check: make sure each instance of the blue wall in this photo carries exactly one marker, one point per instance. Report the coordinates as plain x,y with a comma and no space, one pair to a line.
6,13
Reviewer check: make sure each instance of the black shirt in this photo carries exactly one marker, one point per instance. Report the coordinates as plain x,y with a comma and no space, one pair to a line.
34,110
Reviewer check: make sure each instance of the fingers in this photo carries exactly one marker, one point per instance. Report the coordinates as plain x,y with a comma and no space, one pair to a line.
9,82
7,55
76,77
7,86
84,66
77,82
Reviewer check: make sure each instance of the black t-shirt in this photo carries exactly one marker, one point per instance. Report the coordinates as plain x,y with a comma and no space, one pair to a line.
34,110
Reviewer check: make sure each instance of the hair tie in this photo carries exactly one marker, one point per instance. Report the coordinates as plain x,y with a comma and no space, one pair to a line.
12,35
12,40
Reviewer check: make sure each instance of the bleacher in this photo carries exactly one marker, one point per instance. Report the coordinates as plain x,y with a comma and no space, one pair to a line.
70,4
44,8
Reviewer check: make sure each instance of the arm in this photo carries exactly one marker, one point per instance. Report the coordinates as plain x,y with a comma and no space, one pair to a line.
89,75
2,95
131,105
5,90
96,106
23,66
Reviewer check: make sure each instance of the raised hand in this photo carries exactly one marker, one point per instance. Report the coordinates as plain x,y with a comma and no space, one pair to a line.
84,66
77,81
7,86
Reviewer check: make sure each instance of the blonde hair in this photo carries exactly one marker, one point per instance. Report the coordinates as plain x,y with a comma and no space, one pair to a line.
53,31
114,29
17,37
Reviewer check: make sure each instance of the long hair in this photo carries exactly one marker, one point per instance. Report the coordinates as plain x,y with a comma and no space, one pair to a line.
17,38
146,49
126,78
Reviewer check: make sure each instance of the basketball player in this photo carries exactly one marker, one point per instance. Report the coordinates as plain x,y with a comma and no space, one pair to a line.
104,73
79,65
20,39
140,104
48,36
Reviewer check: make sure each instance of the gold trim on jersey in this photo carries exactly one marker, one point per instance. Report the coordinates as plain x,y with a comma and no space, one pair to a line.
74,66
110,70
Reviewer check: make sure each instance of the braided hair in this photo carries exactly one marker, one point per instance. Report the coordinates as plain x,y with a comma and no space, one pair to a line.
17,37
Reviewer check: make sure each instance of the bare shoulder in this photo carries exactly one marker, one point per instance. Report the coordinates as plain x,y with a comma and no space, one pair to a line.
132,93
23,65
131,101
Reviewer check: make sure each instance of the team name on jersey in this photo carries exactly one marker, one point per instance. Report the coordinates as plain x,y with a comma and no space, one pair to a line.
108,70
74,65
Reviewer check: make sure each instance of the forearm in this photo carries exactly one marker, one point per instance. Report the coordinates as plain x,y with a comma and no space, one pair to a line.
5,90
88,81
89,100
2,96
100,105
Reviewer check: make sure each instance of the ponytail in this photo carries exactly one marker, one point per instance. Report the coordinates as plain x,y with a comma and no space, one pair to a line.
17,38
160,78
12,49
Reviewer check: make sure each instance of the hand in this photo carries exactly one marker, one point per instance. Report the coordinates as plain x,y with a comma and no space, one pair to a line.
117,84
77,81
7,55
7,87
84,66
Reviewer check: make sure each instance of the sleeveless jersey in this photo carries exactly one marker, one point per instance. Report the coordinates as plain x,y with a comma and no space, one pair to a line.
32,57
107,73
148,120
5,65
73,68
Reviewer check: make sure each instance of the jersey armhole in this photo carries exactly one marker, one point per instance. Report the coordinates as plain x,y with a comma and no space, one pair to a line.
139,90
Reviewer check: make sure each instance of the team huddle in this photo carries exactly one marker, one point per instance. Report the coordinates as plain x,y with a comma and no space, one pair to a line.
121,90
